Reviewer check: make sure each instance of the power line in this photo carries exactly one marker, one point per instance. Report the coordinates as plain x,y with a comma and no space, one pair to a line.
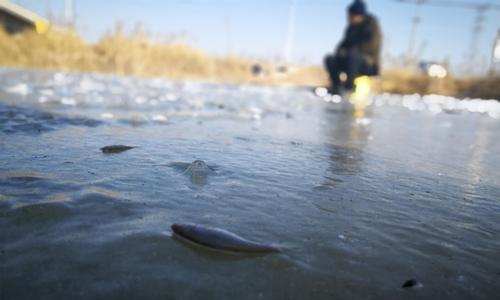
69,13
290,35
477,28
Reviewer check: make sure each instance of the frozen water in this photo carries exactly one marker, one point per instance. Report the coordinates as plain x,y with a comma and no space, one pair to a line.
361,203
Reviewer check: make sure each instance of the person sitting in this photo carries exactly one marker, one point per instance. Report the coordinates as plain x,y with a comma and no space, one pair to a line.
359,51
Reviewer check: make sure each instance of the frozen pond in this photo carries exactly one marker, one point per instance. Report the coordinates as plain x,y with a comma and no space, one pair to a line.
361,203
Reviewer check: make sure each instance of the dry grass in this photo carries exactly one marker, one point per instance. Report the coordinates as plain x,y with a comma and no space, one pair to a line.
55,50
401,82
134,53
405,82
118,53
485,88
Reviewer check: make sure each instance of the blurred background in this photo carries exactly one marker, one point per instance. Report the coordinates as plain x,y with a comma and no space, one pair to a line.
430,46
397,181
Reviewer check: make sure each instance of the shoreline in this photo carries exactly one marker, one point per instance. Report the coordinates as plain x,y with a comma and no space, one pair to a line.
119,53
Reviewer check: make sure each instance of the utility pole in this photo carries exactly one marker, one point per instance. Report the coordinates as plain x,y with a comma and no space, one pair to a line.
495,55
477,28
287,52
48,10
69,16
414,31
229,37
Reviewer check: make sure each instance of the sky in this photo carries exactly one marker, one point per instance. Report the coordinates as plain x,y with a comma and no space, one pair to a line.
258,28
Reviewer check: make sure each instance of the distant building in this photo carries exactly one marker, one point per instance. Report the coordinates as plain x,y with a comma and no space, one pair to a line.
14,18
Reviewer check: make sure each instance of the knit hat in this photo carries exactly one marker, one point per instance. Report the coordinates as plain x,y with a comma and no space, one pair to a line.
358,7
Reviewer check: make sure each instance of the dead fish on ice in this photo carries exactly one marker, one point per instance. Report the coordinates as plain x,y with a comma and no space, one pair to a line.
116,148
411,283
220,239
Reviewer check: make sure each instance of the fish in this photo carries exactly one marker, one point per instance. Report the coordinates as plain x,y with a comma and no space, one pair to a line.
116,149
198,168
198,171
410,283
220,239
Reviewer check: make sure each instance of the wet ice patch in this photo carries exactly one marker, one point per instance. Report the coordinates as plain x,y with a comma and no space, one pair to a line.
24,120
39,213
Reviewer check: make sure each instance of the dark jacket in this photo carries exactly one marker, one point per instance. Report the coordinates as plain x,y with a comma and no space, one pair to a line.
366,38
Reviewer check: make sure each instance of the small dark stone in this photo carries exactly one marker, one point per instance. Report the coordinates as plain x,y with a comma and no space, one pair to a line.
116,149
410,283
